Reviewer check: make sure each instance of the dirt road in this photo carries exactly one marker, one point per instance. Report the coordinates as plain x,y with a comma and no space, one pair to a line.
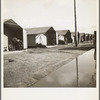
23,69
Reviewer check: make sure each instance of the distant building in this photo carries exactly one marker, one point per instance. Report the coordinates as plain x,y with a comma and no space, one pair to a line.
86,36
82,37
41,35
90,37
95,33
64,36
13,31
74,38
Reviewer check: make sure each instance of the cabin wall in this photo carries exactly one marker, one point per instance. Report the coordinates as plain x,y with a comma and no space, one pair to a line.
51,37
73,39
24,39
31,42
41,39
86,37
68,36
11,31
5,42
56,38
61,37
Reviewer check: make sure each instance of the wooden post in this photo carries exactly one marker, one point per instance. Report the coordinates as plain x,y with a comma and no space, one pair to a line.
76,34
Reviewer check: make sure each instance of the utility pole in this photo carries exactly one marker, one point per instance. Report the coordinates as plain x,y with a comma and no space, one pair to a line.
76,34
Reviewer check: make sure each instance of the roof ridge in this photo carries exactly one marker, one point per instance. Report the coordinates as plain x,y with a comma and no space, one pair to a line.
37,30
38,27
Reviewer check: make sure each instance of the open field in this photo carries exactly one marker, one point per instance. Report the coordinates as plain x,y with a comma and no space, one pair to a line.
24,69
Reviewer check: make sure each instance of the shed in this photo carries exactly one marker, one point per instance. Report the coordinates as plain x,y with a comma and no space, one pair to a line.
74,38
82,37
41,35
64,35
90,37
11,31
87,37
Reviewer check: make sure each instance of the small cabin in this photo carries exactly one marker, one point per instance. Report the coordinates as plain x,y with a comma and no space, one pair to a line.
64,36
41,36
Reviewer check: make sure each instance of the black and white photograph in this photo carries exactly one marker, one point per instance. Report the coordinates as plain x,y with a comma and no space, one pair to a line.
49,43
49,49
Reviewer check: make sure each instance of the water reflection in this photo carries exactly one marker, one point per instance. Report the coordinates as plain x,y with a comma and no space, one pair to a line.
95,56
77,69
78,73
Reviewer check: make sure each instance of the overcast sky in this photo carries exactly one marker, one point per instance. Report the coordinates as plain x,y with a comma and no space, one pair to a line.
56,13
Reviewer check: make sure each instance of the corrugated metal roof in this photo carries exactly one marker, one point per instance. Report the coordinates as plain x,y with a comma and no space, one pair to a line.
62,32
38,30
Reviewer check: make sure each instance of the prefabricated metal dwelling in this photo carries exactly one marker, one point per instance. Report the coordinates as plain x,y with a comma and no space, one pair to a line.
41,35
64,35
91,36
82,37
74,37
13,30
86,36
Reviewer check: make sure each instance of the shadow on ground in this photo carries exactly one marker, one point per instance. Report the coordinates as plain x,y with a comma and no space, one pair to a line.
83,47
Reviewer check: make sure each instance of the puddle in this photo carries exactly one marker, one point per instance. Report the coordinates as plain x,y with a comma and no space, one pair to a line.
10,60
77,73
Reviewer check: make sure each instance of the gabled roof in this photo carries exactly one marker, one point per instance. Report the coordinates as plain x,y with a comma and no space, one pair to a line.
10,22
62,32
73,33
81,34
38,30
90,34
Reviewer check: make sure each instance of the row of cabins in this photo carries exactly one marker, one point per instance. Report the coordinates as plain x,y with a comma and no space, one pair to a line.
32,37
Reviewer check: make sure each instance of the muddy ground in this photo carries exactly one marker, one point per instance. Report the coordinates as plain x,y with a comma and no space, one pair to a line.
25,68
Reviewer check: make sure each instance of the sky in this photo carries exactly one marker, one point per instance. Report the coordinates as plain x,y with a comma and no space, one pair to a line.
56,13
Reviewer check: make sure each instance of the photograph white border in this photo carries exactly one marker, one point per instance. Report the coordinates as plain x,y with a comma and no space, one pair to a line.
49,93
